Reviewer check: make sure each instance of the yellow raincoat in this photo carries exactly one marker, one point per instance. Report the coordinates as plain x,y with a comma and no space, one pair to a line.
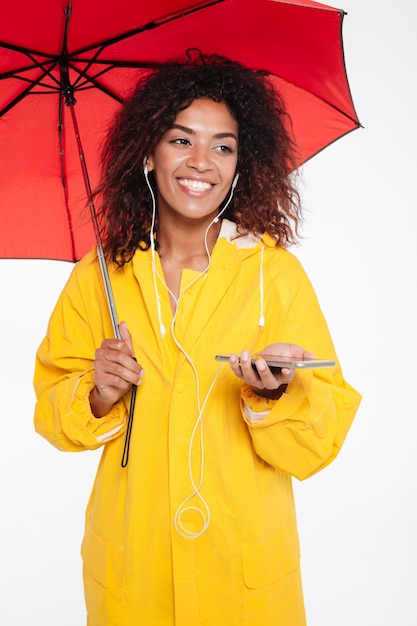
141,563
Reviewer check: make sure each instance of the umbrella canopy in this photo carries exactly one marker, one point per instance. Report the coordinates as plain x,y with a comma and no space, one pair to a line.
65,67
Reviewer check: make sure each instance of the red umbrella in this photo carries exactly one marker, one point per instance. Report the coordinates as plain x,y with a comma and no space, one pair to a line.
64,66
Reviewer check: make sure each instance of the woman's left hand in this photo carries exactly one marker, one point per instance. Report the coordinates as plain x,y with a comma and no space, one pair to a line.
264,381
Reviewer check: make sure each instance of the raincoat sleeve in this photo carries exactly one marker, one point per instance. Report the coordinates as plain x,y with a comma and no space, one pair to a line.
64,375
303,431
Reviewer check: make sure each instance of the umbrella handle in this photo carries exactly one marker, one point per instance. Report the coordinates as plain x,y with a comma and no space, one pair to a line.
126,448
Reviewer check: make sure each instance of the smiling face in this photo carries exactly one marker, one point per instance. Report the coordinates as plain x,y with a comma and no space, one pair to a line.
195,162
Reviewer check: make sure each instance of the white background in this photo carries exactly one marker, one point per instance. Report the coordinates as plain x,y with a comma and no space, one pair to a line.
357,519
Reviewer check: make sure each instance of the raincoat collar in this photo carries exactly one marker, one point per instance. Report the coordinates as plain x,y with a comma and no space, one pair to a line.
226,258
229,232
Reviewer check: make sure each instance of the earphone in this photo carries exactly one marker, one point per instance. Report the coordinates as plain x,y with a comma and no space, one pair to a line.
145,166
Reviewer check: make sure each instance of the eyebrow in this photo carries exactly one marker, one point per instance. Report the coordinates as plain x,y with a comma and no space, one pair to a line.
192,132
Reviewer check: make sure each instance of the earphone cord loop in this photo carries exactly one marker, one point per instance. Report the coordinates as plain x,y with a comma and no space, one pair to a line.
182,508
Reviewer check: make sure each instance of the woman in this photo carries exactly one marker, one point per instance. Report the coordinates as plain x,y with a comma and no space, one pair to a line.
197,207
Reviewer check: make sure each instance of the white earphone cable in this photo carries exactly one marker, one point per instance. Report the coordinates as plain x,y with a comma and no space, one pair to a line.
152,243
261,290
204,511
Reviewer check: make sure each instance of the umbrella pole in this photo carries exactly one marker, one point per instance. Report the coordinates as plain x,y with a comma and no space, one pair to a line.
108,290
67,92
100,252
106,278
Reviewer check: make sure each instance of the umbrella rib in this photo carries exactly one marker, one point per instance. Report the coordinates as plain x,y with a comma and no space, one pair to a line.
45,67
120,63
19,70
341,21
354,118
23,94
110,65
94,82
314,8
27,51
23,79
62,161
149,26
358,125
100,46
327,103
339,110
88,78
90,62
41,65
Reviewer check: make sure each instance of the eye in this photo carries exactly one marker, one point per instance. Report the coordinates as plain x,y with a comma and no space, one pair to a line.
180,141
224,148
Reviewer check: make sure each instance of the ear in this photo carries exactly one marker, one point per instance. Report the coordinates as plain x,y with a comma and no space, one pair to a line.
150,163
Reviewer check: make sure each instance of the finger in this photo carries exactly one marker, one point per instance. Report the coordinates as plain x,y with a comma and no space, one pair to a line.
267,378
112,348
272,379
287,375
117,353
249,372
111,360
111,376
126,336
234,364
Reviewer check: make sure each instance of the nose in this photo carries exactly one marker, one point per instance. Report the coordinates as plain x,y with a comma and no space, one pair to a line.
200,158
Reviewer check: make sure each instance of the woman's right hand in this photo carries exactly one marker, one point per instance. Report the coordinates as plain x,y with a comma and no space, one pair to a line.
115,371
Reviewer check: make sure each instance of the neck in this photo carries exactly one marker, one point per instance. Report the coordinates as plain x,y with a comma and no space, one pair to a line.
186,242
182,248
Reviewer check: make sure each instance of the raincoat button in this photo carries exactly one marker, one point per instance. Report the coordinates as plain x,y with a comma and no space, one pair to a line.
179,387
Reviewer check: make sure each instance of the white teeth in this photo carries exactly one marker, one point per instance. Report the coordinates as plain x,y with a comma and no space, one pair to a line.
195,185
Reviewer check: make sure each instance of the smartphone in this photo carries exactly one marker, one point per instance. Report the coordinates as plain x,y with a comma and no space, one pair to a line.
277,362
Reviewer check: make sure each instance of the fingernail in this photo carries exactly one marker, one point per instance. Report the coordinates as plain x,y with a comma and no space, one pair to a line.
244,356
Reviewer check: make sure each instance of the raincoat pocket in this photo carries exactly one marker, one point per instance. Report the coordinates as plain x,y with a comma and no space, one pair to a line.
268,560
102,560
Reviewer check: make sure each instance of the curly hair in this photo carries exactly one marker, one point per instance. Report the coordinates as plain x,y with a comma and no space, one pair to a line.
265,198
